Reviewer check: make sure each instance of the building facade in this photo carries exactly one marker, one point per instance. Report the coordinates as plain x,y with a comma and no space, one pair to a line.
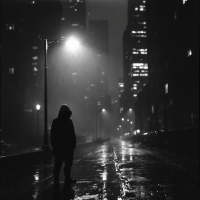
173,60
74,18
135,52
22,66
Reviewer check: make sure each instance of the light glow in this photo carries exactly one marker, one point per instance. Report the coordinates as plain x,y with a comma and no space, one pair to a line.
73,44
38,107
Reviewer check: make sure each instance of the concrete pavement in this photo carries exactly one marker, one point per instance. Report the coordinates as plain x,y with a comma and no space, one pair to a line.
116,170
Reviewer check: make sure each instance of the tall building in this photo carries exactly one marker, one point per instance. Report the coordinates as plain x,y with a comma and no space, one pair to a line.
171,100
74,17
99,41
135,65
22,64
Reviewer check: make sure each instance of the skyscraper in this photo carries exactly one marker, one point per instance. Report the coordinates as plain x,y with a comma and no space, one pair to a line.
24,26
135,51
98,33
74,17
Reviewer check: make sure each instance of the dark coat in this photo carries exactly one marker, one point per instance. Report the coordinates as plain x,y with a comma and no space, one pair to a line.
63,137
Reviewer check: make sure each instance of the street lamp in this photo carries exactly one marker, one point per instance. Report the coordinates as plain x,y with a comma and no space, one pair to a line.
38,110
71,43
99,111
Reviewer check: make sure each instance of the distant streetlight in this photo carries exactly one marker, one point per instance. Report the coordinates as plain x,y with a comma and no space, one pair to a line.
71,43
99,111
130,109
38,116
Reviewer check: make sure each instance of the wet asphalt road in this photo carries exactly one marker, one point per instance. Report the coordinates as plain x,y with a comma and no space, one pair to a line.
115,170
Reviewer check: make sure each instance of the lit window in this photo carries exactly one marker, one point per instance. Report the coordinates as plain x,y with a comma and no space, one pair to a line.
35,47
135,95
35,58
136,8
35,69
10,27
166,88
62,18
135,74
120,84
75,9
189,52
135,52
134,84
152,109
135,88
11,70
184,1
33,2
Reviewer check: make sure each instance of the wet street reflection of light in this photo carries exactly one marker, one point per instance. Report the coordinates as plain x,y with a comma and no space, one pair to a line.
131,158
36,176
104,175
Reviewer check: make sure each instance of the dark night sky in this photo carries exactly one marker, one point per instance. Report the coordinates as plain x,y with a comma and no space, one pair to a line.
115,11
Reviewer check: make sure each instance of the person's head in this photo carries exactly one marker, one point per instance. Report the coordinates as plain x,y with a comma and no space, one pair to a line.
64,112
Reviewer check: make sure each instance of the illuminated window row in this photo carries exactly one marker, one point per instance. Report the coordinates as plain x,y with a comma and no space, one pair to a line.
35,47
121,84
141,22
10,27
139,49
140,65
138,31
136,52
139,35
11,70
140,74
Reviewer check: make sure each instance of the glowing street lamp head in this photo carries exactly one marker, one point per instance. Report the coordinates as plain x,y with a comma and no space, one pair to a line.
38,107
103,110
72,43
130,109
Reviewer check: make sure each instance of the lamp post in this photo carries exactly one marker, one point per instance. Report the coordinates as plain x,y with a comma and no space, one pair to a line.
47,44
38,110
98,111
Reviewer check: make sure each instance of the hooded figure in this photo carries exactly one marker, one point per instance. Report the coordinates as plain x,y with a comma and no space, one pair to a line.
63,141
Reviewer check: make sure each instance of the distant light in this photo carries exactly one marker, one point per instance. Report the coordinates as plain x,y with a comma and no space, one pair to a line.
138,131
130,109
189,52
103,110
38,107
122,119
127,119
184,1
120,126
131,122
166,88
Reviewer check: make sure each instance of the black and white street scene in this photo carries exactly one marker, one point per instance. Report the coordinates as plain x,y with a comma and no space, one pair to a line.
99,100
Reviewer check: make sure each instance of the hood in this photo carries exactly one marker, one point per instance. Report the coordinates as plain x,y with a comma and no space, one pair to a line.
64,112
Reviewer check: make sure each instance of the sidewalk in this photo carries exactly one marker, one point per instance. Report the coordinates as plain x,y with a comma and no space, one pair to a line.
93,169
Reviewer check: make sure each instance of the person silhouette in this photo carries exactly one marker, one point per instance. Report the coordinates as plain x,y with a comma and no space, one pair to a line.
63,141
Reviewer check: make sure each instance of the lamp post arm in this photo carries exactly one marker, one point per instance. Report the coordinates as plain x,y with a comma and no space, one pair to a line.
53,42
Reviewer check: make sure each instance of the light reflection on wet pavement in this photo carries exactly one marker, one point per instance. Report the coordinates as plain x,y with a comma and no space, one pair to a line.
117,170
146,176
